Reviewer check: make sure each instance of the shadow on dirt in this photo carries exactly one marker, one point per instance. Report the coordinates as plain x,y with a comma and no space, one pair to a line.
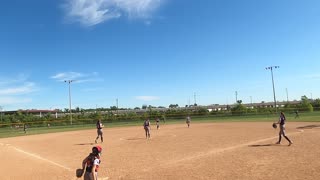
260,145
309,127
84,144
134,139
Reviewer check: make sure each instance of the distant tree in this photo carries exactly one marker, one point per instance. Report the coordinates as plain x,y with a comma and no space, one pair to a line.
144,106
316,104
136,108
113,107
239,108
305,104
173,105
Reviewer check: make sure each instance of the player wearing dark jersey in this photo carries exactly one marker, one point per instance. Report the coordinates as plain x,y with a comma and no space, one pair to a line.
146,126
282,132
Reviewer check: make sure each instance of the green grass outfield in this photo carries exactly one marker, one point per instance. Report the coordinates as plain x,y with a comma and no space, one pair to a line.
304,117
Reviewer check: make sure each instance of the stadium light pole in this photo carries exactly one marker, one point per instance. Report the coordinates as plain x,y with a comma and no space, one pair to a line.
274,92
236,93
1,112
70,112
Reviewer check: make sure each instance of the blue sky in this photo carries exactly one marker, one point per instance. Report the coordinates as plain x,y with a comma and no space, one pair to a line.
156,52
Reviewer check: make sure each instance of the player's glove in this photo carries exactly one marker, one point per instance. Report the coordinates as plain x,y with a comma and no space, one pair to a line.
79,173
274,125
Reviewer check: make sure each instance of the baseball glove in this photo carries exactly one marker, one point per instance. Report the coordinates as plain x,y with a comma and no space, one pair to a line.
79,173
274,125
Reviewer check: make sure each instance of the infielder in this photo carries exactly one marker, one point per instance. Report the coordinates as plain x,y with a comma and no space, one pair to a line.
282,122
146,126
99,131
188,121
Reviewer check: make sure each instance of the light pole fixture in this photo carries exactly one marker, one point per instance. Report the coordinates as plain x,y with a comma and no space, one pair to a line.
70,112
274,92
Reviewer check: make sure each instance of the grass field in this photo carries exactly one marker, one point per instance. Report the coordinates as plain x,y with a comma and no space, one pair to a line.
304,117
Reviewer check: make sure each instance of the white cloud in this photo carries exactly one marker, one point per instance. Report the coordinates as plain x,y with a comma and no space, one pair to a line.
14,100
313,76
77,77
92,12
26,88
67,76
13,88
147,98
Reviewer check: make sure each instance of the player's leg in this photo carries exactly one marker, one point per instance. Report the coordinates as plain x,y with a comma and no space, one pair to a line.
284,135
280,133
149,132
97,136
101,135
145,130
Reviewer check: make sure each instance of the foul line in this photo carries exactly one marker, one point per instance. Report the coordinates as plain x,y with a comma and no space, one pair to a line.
41,158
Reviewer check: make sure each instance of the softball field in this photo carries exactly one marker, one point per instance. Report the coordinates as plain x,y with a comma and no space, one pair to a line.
215,151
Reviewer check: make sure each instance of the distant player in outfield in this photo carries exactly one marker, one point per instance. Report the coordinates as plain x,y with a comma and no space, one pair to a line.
157,123
188,121
282,122
25,127
99,131
297,114
146,126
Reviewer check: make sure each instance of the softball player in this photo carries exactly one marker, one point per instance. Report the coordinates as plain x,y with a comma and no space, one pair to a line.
99,131
282,122
188,121
91,164
157,123
146,126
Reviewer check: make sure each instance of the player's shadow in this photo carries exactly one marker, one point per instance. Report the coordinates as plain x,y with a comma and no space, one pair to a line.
84,144
134,139
309,127
260,145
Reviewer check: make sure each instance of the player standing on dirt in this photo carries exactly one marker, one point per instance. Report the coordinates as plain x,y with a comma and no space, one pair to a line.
188,120
91,164
157,123
25,127
146,126
99,131
282,122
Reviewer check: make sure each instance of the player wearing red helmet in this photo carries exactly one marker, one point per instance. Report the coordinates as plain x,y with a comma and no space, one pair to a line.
91,164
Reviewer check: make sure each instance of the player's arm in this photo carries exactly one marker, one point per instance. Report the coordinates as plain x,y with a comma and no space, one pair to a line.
84,162
278,121
93,170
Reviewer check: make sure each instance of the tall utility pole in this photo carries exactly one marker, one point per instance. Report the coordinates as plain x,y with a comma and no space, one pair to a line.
274,92
117,105
195,99
251,100
236,96
70,112
1,112
287,95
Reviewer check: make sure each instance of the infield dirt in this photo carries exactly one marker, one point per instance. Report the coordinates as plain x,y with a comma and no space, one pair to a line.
215,151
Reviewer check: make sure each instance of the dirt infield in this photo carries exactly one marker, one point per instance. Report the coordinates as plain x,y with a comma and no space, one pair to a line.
204,151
